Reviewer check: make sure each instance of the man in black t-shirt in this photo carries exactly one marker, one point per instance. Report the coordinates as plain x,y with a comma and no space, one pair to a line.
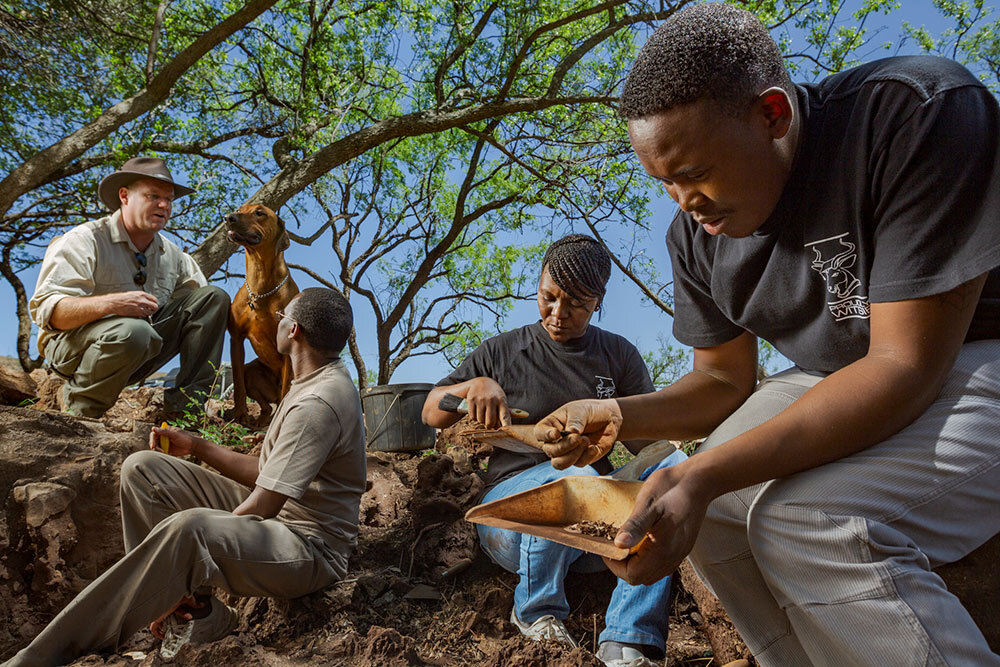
853,223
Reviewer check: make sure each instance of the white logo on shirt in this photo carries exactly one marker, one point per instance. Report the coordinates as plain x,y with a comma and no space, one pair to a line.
605,387
840,282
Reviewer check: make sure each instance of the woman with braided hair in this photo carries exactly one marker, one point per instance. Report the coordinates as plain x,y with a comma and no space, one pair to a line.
537,368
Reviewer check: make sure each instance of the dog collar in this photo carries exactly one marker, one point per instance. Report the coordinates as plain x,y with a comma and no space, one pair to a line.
252,298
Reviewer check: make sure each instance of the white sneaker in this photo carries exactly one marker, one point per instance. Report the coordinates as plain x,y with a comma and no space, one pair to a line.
614,654
547,627
221,620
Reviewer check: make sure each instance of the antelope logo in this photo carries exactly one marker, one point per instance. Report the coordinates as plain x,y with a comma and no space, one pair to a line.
840,282
605,387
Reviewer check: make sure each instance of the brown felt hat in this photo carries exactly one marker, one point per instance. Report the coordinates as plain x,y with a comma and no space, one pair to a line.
133,170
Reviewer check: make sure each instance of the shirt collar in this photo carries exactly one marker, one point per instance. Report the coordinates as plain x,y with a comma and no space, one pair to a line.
119,235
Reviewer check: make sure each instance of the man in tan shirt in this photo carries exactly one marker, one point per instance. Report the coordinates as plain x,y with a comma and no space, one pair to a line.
115,299
280,525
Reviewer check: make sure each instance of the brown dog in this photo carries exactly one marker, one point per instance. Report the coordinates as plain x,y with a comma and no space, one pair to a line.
268,288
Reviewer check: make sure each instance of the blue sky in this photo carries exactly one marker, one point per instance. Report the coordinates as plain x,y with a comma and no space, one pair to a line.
624,312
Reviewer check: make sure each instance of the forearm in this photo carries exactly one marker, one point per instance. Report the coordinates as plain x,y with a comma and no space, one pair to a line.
849,411
75,311
261,502
238,467
689,408
434,416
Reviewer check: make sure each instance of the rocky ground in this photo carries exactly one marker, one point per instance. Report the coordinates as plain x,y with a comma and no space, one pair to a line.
419,592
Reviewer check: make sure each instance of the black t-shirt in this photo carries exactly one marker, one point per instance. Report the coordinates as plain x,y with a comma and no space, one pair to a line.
894,194
539,375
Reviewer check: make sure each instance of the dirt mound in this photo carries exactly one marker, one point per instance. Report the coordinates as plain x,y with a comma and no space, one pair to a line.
60,528
451,437
58,481
524,652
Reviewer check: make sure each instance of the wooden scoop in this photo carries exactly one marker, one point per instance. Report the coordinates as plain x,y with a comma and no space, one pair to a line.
518,438
547,510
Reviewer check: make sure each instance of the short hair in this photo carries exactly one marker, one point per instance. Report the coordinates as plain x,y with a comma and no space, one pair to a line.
711,51
325,317
579,265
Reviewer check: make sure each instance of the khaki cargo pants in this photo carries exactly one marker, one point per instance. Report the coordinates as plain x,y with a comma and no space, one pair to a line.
102,358
181,537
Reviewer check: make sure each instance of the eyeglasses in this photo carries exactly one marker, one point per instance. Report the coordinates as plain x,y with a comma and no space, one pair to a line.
278,315
140,276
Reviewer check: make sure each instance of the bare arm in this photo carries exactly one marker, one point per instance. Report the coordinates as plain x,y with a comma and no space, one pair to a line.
238,467
262,502
722,379
75,311
913,346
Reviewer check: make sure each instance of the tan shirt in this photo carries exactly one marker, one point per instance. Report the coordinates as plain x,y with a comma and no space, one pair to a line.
314,453
98,257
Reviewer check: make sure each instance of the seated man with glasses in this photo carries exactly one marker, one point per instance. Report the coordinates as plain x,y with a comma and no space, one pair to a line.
115,299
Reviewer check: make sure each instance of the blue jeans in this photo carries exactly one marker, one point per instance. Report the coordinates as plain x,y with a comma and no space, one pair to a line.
635,615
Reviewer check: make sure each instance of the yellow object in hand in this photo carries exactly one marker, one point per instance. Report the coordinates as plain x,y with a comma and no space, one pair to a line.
164,440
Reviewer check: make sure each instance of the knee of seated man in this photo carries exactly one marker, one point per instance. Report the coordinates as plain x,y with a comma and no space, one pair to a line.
136,337
188,523
213,298
136,467
783,528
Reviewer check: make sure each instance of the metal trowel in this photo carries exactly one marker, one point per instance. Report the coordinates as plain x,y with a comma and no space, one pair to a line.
517,438
547,510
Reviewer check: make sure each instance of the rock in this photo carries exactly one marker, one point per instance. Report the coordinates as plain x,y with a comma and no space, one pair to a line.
42,500
15,385
140,404
49,390
59,521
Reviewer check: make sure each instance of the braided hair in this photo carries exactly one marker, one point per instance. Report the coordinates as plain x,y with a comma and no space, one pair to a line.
579,265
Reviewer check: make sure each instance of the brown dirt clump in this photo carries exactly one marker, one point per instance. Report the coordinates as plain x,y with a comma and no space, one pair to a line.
594,529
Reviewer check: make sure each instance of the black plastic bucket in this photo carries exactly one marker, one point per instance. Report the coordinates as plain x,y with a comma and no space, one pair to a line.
392,417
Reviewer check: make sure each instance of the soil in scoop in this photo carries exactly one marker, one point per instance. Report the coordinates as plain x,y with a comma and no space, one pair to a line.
594,529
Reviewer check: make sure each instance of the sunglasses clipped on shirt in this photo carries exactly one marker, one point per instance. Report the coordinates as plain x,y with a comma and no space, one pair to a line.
140,276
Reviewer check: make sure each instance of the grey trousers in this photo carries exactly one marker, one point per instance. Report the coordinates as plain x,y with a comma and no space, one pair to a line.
832,566
102,358
180,537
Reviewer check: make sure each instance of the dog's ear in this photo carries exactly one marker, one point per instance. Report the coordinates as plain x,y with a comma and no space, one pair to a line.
282,242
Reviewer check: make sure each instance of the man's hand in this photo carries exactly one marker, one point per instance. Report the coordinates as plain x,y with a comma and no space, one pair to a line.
182,443
488,403
580,432
131,304
671,513
182,610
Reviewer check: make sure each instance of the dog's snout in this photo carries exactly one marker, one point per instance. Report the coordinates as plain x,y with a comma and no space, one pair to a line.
230,218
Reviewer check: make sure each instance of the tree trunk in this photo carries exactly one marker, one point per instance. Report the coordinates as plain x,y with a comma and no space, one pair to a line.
36,169
727,645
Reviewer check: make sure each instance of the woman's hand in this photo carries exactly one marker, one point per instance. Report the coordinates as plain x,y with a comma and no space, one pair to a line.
487,403
670,509
580,432
182,443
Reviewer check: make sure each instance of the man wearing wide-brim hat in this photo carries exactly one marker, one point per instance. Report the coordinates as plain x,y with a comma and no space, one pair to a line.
115,299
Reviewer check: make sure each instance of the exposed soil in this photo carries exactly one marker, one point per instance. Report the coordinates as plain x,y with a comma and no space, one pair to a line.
594,529
419,590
